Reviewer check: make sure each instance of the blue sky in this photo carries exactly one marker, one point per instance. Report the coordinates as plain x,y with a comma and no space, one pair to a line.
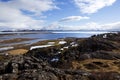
60,14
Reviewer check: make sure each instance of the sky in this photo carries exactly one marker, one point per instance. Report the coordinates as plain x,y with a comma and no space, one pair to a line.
60,14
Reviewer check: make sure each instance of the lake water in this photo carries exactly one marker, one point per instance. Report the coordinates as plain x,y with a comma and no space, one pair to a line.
47,35
53,34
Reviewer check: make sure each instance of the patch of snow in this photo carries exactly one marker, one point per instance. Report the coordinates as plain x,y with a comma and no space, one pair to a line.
62,42
72,43
41,46
105,36
59,52
75,45
61,49
54,60
6,48
6,54
51,43
66,47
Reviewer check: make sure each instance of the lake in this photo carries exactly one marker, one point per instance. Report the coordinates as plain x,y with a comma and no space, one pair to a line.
40,36
51,34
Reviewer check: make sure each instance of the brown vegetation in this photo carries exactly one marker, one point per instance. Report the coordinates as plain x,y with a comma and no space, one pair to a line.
15,40
17,52
98,65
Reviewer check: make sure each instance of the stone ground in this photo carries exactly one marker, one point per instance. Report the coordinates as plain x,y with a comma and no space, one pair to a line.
94,58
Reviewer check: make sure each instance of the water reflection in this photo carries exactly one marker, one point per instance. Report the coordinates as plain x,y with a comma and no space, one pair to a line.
50,35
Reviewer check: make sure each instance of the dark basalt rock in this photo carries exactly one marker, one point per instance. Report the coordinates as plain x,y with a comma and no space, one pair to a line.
105,55
48,64
92,44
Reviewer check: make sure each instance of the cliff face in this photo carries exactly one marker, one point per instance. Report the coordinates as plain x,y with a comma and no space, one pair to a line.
94,58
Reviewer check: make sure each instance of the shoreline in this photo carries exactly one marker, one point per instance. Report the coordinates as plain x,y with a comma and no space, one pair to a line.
23,43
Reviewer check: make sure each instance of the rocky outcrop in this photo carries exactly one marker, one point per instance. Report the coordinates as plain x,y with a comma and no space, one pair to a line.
94,58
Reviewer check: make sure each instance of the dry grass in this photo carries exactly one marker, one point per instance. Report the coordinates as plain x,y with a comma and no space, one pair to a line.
17,51
97,65
15,40
116,51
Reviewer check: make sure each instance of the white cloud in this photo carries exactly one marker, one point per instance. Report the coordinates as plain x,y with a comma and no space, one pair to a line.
36,6
97,26
111,26
54,26
92,6
11,15
87,26
73,18
91,26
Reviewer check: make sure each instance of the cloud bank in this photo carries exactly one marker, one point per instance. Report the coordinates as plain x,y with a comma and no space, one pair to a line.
92,6
88,26
12,13
21,14
73,18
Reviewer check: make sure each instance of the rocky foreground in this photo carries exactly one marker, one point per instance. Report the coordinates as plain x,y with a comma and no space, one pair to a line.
94,58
